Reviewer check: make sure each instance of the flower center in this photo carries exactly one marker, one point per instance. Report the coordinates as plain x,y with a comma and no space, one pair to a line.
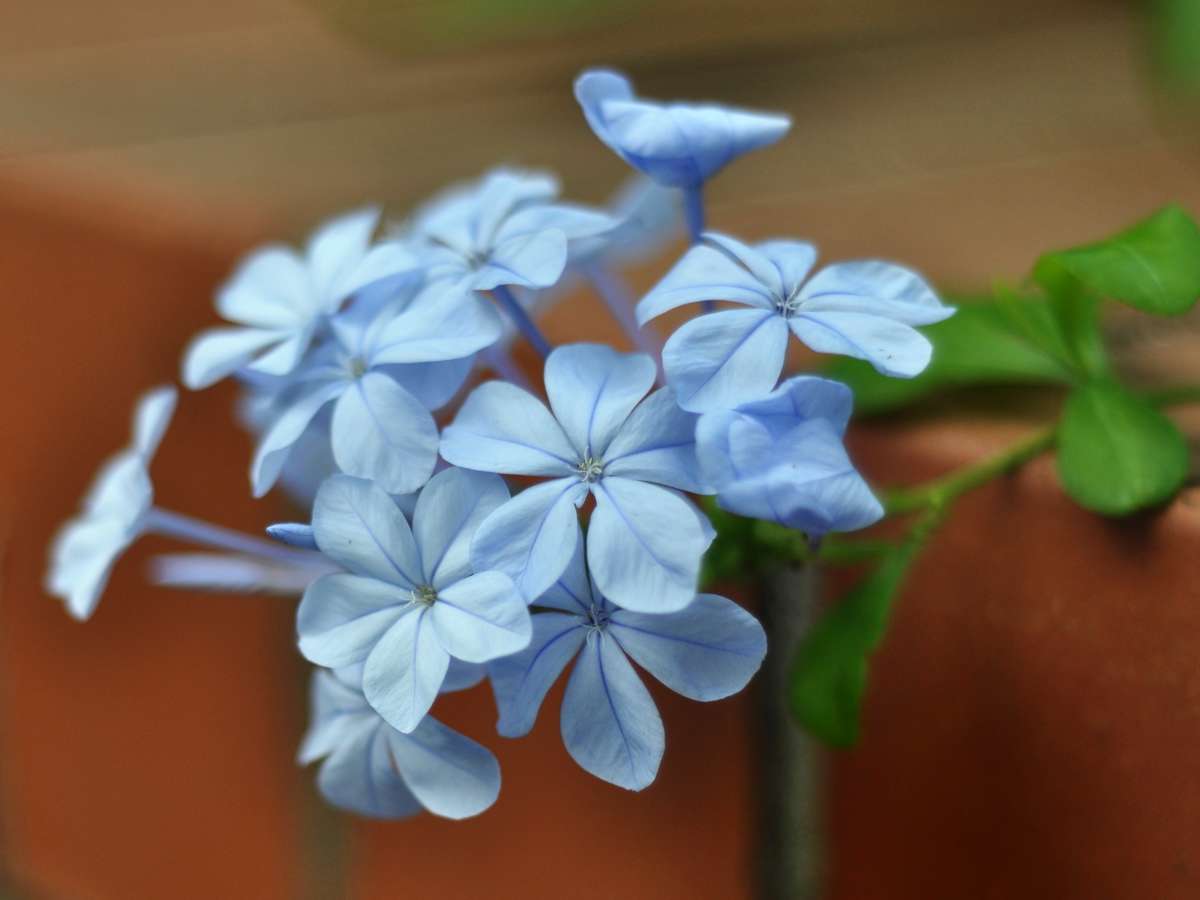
357,366
789,305
599,616
425,595
590,469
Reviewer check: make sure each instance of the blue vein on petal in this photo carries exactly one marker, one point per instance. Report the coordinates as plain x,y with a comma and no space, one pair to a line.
629,526
617,623
587,451
612,706
766,317
378,546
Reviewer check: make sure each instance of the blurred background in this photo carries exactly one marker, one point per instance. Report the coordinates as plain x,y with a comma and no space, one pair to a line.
146,144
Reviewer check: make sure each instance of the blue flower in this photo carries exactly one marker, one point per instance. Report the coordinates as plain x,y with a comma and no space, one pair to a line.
610,725
279,300
383,376
374,770
114,512
644,541
781,459
862,309
408,600
500,231
678,145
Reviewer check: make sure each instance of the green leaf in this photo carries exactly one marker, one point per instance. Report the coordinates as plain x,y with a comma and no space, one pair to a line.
1153,266
984,342
829,673
1177,42
1117,453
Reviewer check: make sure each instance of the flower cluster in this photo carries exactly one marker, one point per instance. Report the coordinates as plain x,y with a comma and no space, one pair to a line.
366,365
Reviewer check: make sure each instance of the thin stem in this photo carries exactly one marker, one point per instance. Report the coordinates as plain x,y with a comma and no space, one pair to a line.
616,296
693,210
521,319
195,531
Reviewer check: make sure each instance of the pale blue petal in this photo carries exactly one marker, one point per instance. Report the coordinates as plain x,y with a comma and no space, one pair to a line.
122,490
892,347
874,288
792,260
531,537
520,681
657,443
359,527
572,592
592,389
385,262
336,709
610,725
435,383
445,321
447,515
451,775
462,676
284,357
501,193
707,651
533,260
799,398
721,359
704,273
238,573
335,250
480,618
81,560
644,545
218,352
342,617
270,290
501,428
405,671
576,222
382,432
764,270
288,427
360,776
151,418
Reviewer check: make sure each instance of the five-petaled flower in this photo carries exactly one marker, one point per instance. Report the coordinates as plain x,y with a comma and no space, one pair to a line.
409,600
863,309
114,512
781,459
610,725
644,540
374,770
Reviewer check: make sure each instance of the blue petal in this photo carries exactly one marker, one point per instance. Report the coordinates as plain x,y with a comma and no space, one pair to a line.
294,534
342,617
336,708
892,347
360,776
799,398
657,443
336,249
286,430
501,428
520,681
447,515
451,775
218,352
151,418
874,288
719,360
644,545
707,651
434,384
610,725
462,676
532,536
445,321
359,527
592,389
405,671
534,260
382,432
81,559
572,592
270,290
480,618
704,273
501,193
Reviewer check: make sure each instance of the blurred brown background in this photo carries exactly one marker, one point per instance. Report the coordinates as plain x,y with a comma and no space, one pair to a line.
144,145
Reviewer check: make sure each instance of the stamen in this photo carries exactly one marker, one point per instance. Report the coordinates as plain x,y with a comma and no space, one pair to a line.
425,595
590,470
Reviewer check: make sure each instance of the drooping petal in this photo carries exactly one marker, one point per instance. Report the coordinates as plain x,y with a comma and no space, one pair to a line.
359,527
644,545
480,618
405,671
592,389
520,681
336,708
704,273
892,347
342,617
451,775
610,725
501,428
532,260
447,515
288,427
705,652
360,776
874,288
382,432
721,359
532,536
218,352
657,443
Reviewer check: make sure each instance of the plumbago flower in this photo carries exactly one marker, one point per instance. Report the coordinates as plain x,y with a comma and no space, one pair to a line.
679,145
610,725
860,309
409,599
644,540
383,376
374,770
781,459
279,299
114,512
